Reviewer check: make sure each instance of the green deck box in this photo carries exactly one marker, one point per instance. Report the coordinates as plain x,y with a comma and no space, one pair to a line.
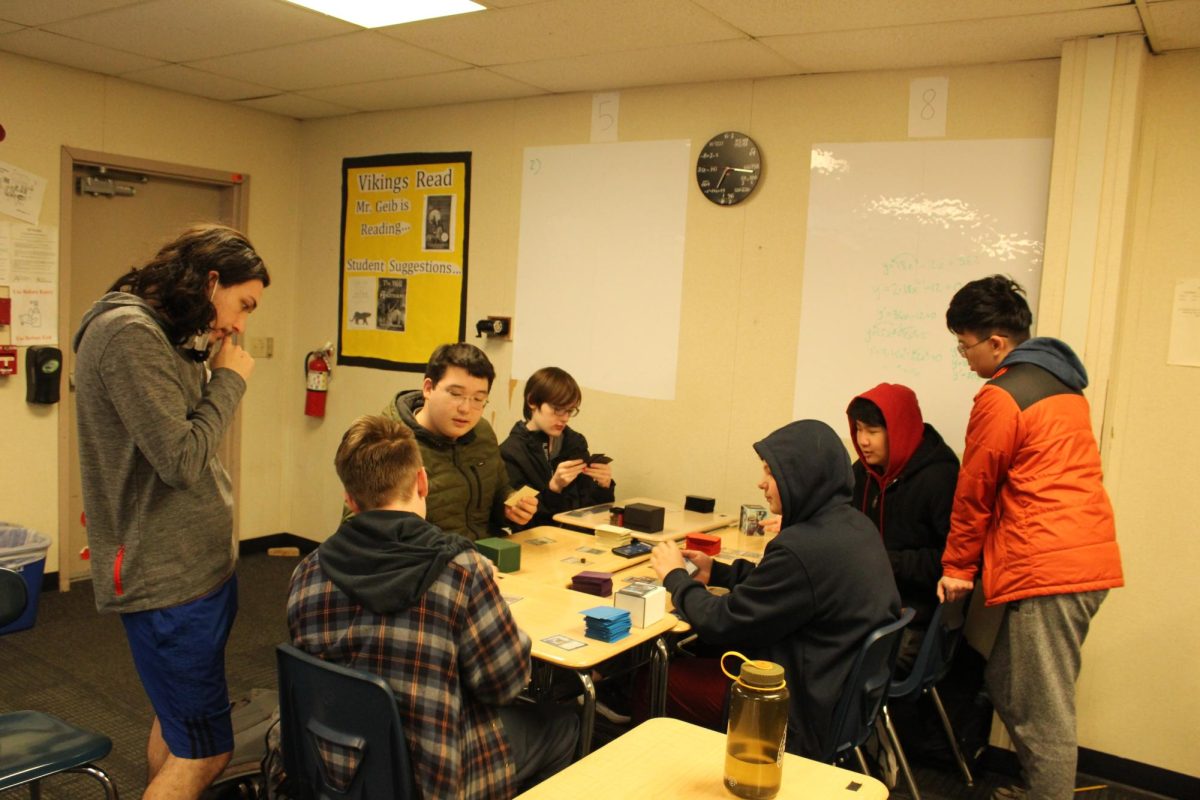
505,554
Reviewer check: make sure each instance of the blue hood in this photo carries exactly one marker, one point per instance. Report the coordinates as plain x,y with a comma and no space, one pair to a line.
1052,355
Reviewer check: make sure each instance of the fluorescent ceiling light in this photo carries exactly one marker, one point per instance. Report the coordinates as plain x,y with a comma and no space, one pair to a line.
376,14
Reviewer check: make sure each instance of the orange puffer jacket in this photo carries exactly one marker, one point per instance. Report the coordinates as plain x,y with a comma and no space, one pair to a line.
1030,500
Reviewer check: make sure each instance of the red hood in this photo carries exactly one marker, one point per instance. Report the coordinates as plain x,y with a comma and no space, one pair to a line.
905,427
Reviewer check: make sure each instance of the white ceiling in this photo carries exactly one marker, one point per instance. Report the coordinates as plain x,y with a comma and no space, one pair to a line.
277,57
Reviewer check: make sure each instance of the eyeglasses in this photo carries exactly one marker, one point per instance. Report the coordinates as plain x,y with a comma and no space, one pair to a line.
478,401
963,348
563,412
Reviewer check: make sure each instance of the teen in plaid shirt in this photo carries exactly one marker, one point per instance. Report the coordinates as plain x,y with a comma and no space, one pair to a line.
393,595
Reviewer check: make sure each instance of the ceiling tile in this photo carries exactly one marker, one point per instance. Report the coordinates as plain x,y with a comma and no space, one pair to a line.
44,11
718,61
948,43
775,18
187,30
563,29
73,53
357,57
296,106
1174,25
463,86
205,84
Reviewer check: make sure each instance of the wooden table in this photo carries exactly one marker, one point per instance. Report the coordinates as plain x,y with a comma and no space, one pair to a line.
544,606
548,607
734,545
554,555
669,758
677,523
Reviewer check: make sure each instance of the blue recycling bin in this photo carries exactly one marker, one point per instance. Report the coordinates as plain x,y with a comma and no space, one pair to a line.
24,551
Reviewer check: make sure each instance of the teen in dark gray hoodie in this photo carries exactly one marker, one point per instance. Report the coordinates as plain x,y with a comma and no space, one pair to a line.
158,502
822,585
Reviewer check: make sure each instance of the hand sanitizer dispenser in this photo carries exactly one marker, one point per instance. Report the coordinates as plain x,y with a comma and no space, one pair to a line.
43,368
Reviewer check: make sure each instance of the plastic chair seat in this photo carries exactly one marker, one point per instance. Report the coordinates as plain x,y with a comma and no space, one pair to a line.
933,661
34,745
340,731
866,689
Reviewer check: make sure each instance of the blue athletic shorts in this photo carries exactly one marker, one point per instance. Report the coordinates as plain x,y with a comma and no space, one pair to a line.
179,653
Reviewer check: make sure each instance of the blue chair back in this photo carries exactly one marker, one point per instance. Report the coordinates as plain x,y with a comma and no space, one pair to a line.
14,595
936,654
866,689
340,731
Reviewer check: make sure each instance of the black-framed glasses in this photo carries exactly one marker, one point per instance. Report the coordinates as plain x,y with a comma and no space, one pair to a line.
963,348
563,412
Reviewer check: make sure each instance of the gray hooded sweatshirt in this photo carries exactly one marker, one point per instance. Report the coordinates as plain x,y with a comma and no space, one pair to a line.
159,504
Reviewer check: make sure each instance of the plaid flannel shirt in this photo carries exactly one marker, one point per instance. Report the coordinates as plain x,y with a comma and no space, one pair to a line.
450,659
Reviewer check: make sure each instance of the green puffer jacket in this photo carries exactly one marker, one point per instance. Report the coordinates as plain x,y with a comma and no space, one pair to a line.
467,477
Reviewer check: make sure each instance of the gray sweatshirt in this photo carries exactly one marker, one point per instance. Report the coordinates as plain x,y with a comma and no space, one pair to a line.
159,504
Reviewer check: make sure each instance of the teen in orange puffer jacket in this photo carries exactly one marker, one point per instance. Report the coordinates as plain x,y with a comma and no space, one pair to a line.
1030,504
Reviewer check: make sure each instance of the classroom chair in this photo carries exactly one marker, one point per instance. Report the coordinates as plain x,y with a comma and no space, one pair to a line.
865,691
34,745
933,661
340,731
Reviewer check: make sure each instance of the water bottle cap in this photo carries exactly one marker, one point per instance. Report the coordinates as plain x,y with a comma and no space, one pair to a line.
762,674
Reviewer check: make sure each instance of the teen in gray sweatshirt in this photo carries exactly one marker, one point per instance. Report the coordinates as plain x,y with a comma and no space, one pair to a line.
159,508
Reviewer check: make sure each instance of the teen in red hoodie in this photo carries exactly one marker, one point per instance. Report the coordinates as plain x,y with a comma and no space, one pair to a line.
904,482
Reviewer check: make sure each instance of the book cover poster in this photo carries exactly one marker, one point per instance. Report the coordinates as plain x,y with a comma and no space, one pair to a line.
404,240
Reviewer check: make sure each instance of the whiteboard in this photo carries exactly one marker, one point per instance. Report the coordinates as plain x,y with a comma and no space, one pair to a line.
600,264
894,230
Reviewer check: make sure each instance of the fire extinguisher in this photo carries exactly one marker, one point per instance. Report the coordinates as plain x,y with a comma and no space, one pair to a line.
318,366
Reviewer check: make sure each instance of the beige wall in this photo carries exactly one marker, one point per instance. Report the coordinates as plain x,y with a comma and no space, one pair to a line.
44,107
743,265
1139,693
742,281
743,275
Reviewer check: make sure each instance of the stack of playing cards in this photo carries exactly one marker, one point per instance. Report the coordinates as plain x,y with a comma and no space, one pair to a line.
611,536
606,623
597,583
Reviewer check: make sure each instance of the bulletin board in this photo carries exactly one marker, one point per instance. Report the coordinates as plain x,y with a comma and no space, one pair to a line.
403,288
894,230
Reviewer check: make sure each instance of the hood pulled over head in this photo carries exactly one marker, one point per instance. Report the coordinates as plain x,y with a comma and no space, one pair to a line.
905,426
811,467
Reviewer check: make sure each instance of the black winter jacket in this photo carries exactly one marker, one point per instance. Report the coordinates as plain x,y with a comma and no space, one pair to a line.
915,519
910,500
525,457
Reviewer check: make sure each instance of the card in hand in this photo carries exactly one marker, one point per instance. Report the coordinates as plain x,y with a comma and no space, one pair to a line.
516,497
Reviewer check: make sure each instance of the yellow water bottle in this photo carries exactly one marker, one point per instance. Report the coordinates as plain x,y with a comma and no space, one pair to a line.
758,716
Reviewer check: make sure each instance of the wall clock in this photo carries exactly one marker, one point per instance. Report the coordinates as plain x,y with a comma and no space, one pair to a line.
728,168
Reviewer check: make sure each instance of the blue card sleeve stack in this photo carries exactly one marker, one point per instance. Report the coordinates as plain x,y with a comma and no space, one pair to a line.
606,624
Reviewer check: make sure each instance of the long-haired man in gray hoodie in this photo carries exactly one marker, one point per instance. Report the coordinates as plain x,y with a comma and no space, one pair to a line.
151,415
